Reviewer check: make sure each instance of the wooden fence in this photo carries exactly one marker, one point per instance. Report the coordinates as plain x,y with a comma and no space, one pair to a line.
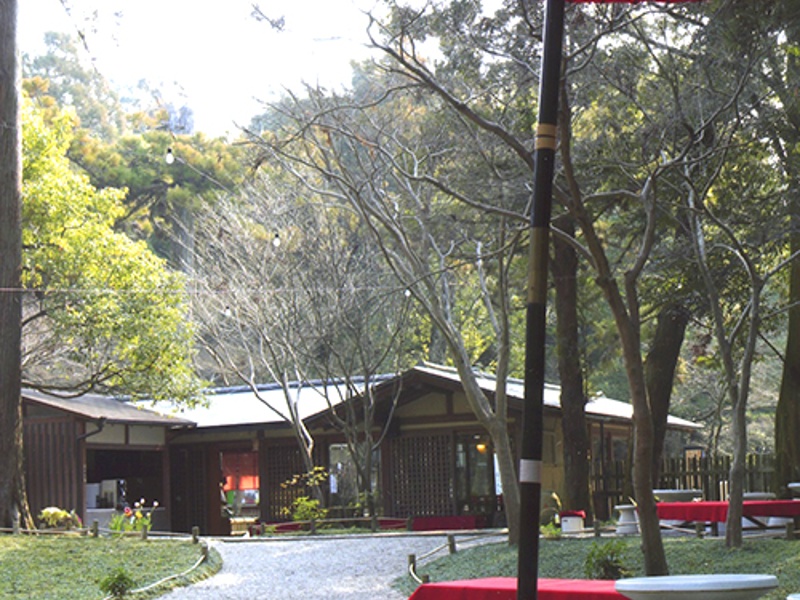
611,485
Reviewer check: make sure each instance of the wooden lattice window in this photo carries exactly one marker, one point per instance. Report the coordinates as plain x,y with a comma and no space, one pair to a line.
282,464
422,476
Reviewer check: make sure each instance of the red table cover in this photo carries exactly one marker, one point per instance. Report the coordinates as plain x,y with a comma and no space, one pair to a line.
718,511
505,588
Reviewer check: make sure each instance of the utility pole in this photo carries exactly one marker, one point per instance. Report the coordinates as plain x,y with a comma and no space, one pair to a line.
530,469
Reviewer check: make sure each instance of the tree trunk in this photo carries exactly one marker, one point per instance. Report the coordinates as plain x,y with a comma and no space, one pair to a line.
437,352
733,524
573,398
10,267
660,373
787,412
655,559
497,426
508,478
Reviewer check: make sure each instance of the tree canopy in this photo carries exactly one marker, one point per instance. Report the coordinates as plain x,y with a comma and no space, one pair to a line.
102,312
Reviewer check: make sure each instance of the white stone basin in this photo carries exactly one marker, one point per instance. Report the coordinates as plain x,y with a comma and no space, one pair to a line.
677,495
697,587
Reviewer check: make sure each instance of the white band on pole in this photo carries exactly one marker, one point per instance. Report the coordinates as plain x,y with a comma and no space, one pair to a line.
530,471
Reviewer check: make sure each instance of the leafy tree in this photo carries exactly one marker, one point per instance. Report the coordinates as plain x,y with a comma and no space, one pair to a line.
102,311
60,78
124,144
736,334
648,120
781,117
699,140
163,197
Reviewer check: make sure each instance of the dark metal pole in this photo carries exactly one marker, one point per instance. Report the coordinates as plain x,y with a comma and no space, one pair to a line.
544,159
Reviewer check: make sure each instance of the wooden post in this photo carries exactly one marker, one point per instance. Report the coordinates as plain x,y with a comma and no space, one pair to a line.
790,530
95,528
699,529
313,526
144,533
195,534
451,543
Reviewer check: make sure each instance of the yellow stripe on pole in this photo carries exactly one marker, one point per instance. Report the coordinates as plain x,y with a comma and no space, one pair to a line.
545,137
537,277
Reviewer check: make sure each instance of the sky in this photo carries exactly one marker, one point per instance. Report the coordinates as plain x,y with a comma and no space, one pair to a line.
214,57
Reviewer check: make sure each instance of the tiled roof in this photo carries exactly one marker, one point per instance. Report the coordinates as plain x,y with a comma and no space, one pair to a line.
599,406
113,410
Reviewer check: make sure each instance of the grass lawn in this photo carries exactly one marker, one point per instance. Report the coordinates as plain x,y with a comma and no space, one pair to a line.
71,567
565,558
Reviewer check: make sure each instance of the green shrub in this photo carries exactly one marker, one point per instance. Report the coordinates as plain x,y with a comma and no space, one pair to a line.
604,561
118,584
550,531
55,517
307,509
137,518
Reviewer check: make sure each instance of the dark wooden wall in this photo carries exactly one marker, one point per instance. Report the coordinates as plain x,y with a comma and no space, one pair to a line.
54,463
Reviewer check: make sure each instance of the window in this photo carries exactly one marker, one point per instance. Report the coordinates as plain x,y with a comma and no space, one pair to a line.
475,474
343,479
240,480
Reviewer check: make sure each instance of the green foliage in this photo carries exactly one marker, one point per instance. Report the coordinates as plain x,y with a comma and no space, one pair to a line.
306,509
606,561
60,77
105,310
316,476
57,567
137,518
163,199
550,531
58,518
117,584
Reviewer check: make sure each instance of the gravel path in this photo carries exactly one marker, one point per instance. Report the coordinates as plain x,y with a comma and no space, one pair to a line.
341,568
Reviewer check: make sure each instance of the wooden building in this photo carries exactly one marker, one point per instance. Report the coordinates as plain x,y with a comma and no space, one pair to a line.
227,461
91,452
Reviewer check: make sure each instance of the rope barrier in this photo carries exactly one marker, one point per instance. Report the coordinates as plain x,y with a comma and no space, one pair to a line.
413,560
201,560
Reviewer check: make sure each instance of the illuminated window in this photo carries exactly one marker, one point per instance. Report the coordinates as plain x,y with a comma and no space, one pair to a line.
241,482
